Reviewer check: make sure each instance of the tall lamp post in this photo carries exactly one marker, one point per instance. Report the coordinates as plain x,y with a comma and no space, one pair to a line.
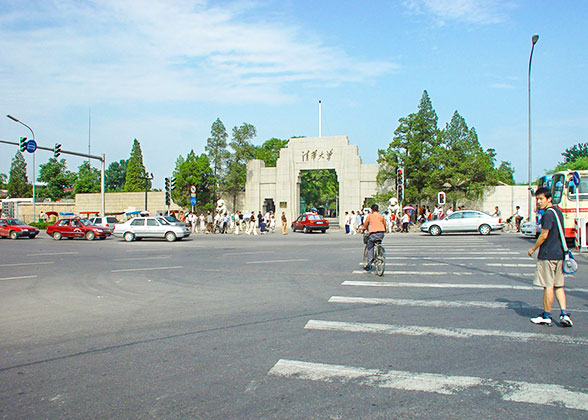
534,40
34,164
147,177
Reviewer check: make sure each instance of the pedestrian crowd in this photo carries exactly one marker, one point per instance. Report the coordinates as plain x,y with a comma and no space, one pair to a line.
248,223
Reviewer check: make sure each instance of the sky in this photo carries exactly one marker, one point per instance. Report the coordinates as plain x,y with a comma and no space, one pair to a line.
163,71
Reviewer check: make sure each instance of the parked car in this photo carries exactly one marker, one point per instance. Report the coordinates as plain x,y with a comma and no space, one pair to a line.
150,227
532,229
108,221
77,228
308,222
14,228
463,221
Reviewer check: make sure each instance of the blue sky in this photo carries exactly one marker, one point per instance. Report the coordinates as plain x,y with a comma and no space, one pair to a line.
163,71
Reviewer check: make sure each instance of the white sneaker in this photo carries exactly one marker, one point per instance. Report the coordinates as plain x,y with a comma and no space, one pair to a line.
539,320
566,321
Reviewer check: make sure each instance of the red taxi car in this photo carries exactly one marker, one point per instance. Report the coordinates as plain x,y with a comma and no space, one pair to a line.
309,222
77,228
14,228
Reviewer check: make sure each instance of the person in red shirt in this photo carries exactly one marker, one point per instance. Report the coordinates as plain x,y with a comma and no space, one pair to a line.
375,224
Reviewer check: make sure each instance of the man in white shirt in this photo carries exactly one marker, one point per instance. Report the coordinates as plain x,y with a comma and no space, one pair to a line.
518,216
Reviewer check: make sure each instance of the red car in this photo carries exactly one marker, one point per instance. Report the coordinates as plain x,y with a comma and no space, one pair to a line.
14,228
77,228
309,222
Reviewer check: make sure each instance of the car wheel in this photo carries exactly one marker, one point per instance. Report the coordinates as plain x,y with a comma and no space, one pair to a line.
293,228
305,229
485,229
57,236
323,231
129,236
90,235
434,230
13,235
170,236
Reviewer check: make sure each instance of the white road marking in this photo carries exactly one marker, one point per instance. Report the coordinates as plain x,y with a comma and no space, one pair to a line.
517,391
252,252
277,261
442,332
17,278
158,257
438,303
509,265
145,269
443,258
440,273
31,263
52,253
444,285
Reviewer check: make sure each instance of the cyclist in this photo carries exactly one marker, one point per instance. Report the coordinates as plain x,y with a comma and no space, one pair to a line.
375,224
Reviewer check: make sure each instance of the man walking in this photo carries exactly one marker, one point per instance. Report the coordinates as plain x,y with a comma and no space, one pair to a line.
284,224
375,224
549,270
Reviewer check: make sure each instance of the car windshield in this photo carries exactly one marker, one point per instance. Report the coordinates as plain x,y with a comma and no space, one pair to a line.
171,219
85,222
162,221
14,222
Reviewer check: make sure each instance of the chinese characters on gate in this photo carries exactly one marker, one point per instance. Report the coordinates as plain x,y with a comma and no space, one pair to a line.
316,155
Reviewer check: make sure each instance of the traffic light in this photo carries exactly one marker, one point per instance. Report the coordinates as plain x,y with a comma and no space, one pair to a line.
400,193
441,198
167,198
167,184
23,144
173,183
400,183
56,150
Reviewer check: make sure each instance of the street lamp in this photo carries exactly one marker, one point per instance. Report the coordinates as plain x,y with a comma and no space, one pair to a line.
534,40
34,165
146,177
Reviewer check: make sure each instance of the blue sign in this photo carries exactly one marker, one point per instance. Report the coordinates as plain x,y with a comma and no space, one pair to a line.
31,146
576,179
192,201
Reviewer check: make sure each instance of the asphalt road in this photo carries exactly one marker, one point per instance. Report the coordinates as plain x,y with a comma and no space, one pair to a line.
284,327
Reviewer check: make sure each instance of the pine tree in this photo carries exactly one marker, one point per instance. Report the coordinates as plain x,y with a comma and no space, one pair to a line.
134,181
216,147
18,182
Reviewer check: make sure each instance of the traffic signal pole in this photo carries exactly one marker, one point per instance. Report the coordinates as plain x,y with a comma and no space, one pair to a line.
102,159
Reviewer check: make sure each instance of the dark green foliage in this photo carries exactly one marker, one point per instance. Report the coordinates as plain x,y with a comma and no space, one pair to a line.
3,180
243,150
134,181
319,187
505,173
216,147
577,151
55,174
87,180
194,170
269,151
578,164
114,176
18,182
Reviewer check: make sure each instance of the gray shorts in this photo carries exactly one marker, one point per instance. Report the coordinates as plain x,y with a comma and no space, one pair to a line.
549,273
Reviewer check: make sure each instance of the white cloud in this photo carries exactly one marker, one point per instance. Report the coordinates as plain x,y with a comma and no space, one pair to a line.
155,50
469,11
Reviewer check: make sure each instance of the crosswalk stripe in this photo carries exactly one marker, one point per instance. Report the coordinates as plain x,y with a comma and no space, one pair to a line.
450,285
517,391
413,330
443,258
509,265
442,273
437,303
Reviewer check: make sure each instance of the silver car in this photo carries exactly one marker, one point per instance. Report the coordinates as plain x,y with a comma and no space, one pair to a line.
150,227
463,221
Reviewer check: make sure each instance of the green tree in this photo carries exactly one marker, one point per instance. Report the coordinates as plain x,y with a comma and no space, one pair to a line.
243,151
269,151
18,182
505,173
194,170
114,176
319,187
216,147
575,152
57,178
135,170
3,180
464,169
87,179
412,148
578,164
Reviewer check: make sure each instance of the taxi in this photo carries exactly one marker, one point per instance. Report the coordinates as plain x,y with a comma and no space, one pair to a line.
14,229
309,222
77,228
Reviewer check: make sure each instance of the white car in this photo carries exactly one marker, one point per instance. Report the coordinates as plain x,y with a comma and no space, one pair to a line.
150,227
463,221
108,221
531,229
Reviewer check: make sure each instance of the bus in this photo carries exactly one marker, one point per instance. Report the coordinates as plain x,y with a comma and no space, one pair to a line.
564,195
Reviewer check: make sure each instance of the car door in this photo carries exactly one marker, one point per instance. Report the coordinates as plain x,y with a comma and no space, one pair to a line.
452,223
76,228
64,228
471,221
154,229
138,227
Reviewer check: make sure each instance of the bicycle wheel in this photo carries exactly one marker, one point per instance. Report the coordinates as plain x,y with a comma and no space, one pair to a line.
380,261
507,228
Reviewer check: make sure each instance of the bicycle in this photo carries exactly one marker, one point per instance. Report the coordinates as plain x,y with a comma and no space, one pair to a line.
379,255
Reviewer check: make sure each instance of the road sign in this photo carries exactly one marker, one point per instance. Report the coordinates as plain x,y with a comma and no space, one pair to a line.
193,189
576,178
192,201
31,146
